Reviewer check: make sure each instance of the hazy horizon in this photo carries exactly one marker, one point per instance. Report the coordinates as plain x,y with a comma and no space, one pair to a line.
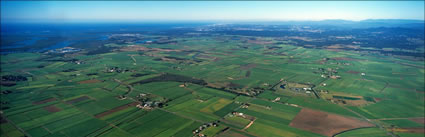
207,11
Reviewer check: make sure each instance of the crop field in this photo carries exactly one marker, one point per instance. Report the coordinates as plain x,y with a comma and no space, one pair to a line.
268,128
364,132
234,133
282,115
153,124
212,131
218,85
226,109
201,110
395,99
170,90
8,130
238,122
316,122
403,123
418,120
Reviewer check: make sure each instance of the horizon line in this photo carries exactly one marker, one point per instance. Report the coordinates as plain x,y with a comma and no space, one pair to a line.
201,21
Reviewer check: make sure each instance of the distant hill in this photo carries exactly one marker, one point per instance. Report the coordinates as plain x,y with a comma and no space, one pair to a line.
369,23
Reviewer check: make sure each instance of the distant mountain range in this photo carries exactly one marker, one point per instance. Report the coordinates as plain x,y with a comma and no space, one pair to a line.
376,23
369,23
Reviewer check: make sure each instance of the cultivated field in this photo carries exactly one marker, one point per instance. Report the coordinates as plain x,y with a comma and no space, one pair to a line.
225,85
319,122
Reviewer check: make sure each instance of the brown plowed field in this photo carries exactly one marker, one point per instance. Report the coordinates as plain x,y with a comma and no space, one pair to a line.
52,108
412,130
347,59
419,120
325,123
115,109
89,81
353,72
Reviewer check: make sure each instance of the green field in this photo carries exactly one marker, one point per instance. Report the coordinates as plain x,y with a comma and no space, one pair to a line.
365,132
180,86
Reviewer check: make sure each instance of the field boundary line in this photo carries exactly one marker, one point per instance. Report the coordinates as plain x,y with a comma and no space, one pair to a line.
249,125
14,125
371,121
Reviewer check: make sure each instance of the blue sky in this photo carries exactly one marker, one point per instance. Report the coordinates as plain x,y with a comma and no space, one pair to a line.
69,11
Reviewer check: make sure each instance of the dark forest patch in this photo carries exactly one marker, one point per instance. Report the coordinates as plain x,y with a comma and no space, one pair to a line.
13,78
175,58
7,83
2,119
233,85
6,92
248,73
171,77
91,74
138,75
69,70
100,50
44,101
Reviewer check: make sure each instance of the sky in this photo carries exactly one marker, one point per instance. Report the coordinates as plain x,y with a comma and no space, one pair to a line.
75,11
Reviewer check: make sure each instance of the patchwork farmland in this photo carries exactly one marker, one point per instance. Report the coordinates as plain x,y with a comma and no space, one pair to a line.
222,86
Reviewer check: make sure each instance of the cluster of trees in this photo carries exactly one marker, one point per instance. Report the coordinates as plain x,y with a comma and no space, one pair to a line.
13,78
172,77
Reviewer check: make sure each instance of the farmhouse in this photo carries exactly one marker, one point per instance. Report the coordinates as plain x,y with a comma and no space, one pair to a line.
204,126
307,89
122,97
116,69
238,114
335,77
245,105
277,99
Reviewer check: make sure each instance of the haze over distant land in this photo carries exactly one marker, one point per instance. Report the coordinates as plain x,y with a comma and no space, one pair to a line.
136,11
212,68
